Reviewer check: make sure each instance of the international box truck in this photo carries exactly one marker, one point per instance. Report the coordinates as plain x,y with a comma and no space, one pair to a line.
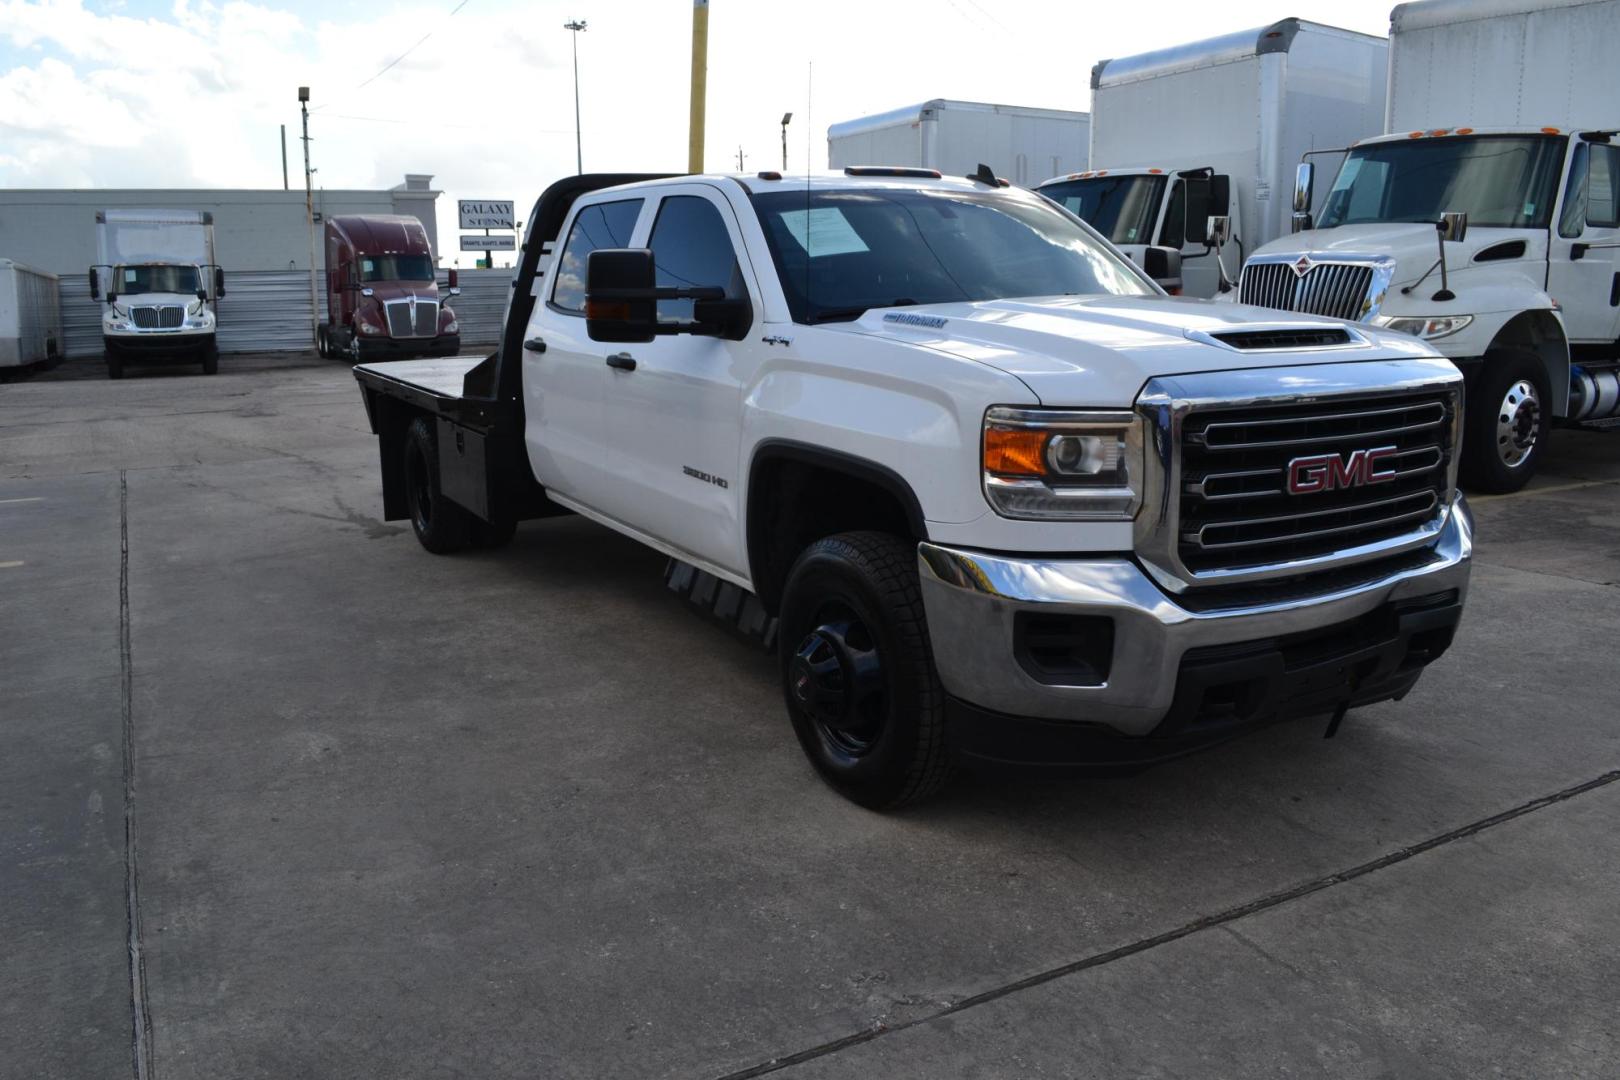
956,137
30,316
159,287
1486,220
1214,128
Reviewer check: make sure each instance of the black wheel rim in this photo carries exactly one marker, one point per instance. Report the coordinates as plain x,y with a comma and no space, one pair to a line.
416,484
837,680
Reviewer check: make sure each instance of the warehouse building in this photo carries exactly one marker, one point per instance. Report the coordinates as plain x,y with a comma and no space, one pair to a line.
261,240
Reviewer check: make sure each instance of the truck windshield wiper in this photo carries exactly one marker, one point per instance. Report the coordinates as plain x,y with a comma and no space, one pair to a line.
846,314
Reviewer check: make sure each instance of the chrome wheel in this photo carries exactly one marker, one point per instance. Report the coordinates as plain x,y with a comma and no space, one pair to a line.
1518,423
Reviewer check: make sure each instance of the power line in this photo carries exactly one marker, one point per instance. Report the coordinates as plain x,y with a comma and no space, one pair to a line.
389,66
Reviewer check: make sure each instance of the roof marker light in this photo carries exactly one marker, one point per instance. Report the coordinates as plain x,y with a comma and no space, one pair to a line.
1155,172
1465,131
1550,131
1441,131
1414,134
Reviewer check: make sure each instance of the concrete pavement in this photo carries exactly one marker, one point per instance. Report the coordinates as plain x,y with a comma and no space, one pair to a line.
521,814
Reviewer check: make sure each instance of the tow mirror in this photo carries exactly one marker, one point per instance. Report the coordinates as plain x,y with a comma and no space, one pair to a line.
1453,226
219,283
1218,229
1304,186
621,301
95,284
1163,265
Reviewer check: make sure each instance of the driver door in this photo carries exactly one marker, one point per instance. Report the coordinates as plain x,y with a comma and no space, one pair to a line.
1583,271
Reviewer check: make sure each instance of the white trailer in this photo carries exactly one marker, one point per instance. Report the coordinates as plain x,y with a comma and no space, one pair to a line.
1486,218
1215,128
30,315
1021,144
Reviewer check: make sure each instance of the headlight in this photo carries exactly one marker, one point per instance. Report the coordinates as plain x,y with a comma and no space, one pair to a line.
195,307
452,327
1427,327
367,328
1063,464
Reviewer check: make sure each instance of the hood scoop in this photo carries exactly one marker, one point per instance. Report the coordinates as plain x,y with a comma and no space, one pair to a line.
1252,340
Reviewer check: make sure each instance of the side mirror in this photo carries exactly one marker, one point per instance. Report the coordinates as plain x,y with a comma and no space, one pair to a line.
1303,221
202,294
453,280
1453,226
112,297
1163,265
1304,187
1220,193
621,301
95,284
454,290
219,283
1218,229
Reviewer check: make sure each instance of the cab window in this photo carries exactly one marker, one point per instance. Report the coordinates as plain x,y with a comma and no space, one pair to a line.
1174,231
601,225
692,249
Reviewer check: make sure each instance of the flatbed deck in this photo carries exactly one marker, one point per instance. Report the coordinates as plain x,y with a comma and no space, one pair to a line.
436,385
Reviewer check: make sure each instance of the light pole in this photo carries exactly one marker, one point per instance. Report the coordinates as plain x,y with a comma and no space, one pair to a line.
576,25
787,116
309,217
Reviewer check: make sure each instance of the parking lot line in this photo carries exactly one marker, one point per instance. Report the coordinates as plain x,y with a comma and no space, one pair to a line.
11,565
31,498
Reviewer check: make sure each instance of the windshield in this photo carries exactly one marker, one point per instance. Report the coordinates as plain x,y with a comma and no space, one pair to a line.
839,253
1122,208
156,279
1499,181
396,268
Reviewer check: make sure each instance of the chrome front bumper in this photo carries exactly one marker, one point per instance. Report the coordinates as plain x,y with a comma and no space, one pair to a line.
972,598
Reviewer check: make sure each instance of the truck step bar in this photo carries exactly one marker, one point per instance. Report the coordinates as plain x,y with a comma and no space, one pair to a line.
734,607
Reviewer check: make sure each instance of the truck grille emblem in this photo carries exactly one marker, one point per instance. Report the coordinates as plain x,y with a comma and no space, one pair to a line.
1302,265
1327,472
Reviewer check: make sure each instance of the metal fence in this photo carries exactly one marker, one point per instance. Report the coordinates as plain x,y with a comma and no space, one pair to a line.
482,304
268,310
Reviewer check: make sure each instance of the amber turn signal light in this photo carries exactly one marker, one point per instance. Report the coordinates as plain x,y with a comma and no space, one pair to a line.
616,310
1014,452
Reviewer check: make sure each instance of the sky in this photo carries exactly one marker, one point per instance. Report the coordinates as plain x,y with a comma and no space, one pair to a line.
479,93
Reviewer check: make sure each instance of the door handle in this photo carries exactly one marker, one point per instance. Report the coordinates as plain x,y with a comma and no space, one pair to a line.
535,345
622,362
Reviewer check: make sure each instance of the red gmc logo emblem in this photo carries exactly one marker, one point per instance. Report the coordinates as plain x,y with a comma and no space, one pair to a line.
1326,472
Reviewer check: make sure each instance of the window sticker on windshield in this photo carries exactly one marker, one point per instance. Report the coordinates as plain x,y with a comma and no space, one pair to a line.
367,265
823,231
1530,210
129,275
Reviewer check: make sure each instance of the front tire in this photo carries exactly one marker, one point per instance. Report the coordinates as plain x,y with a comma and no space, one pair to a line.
210,362
440,525
1509,411
115,365
858,670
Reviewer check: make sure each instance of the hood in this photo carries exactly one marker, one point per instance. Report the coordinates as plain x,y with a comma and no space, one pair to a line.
1411,244
1097,351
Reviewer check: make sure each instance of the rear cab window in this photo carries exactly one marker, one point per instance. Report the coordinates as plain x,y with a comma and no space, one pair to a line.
599,225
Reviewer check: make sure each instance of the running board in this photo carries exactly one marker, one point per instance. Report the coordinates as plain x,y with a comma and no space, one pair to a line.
728,604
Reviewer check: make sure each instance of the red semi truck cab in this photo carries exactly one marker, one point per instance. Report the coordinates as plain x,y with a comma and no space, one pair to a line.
382,298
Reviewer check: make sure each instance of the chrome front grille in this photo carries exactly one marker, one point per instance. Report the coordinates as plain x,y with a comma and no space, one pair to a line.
401,323
166,317
1337,290
1236,509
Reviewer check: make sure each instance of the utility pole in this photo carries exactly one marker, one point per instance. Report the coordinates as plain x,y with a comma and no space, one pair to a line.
739,158
283,157
787,116
309,219
576,25
700,84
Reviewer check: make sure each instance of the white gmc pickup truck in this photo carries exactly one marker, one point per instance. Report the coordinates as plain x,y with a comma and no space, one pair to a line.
989,492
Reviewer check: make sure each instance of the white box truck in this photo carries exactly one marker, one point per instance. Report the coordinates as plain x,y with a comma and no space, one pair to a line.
1486,220
159,287
1214,128
30,316
956,137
